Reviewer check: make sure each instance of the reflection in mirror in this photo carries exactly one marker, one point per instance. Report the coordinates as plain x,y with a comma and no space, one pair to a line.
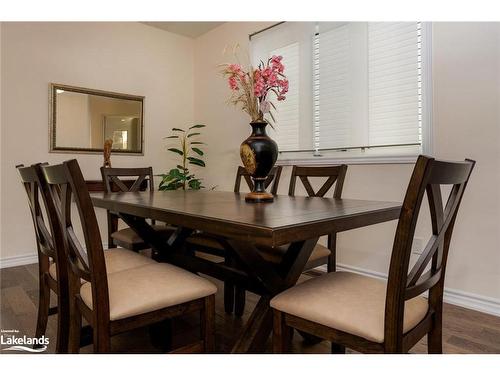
82,119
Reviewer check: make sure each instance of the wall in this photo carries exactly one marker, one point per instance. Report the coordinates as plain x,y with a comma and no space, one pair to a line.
130,58
466,120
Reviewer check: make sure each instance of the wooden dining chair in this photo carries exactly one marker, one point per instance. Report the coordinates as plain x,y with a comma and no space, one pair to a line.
52,262
367,314
205,243
50,277
335,176
127,238
115,302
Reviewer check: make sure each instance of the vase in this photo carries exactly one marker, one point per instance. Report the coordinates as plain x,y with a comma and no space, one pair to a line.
258,154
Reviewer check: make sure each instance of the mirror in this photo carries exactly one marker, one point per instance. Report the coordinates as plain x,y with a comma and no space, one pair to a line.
82,119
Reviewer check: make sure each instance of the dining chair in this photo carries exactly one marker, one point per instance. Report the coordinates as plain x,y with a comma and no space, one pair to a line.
127,238
370,315
50,277
210,245
335,176
115,302
52,264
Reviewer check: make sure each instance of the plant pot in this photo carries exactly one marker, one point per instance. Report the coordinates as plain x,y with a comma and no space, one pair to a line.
258,154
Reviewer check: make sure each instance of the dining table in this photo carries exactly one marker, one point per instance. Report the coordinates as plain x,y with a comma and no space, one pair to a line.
297,222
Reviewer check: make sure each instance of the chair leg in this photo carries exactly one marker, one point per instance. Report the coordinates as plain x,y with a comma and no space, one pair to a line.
281,333
112,227
43,307
435,335
63,324
228,290
208,324
239,301
102,340
337,348
75,327
332,258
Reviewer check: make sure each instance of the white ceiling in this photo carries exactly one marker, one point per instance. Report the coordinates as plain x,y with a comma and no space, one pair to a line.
190,29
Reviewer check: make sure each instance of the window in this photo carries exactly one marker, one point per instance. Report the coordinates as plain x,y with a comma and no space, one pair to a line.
357,89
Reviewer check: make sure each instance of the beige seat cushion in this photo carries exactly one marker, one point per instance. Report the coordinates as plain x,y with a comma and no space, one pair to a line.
274,255
347,302
149,288
116,260
128,235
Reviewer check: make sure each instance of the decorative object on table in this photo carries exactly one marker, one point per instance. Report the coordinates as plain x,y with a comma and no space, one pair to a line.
108,144
250,90
180,177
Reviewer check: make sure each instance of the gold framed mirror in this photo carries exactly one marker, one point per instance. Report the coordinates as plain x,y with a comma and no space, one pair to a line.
81,119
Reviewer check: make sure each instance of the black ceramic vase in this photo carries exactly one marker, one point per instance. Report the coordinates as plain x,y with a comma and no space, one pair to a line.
258,154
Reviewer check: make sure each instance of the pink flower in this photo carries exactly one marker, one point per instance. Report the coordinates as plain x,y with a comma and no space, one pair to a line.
276,59
281,98
276,64
234,68
273,79
233,84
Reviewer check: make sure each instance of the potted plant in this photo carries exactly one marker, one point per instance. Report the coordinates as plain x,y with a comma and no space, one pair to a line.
190,153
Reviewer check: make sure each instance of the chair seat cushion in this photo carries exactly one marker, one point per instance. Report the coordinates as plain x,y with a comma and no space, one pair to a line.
116,260
128,235
148,288
275,254
347,302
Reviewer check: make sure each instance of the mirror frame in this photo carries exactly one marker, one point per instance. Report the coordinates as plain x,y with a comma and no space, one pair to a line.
53,148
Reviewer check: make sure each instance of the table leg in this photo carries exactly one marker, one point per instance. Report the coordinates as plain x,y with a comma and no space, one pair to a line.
275,280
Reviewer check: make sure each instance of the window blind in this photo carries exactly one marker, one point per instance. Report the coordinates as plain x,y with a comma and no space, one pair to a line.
394,80
287,113
332,89
353,85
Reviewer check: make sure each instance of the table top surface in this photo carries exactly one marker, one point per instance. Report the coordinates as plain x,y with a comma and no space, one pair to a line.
227,213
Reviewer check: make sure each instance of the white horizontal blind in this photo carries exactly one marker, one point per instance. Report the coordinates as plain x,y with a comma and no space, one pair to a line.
352,85
287,113
332,89
393,83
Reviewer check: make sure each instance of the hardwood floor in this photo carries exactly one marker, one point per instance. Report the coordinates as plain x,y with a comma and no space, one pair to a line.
464,330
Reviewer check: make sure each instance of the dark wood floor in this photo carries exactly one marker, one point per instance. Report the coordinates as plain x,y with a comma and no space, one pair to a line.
465,331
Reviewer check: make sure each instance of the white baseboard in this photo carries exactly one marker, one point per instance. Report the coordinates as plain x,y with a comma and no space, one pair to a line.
471,301
22,260
19,260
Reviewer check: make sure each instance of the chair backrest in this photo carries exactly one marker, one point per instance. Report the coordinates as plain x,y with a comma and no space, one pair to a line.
66,182
272,178
333,173
428,176
111,177
49,239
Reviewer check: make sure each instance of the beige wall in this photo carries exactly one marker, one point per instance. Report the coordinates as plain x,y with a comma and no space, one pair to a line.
466,69
123,57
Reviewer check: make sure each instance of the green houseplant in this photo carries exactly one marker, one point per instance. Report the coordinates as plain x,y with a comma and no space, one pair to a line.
190,154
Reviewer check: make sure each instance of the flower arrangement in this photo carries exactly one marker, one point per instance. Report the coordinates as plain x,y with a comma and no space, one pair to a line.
251,88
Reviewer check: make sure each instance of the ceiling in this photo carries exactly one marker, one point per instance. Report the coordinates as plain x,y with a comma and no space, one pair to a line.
190,29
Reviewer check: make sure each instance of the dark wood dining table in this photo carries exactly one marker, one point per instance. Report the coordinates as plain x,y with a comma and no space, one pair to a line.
294,221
